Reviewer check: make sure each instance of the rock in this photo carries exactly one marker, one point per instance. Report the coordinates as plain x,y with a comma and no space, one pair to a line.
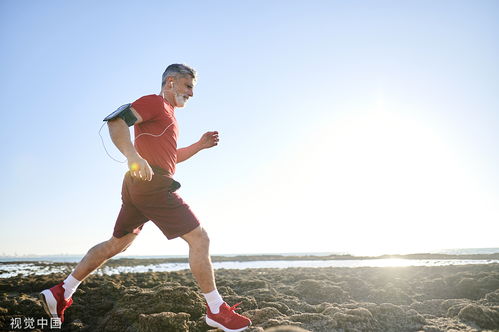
282,307
119,320
445,324
247,302
432,329
492,297
436,288
75,325
165,299
314,321
429,307
262,294
331,310
489,282
136,301
394,318
245,285
287,328
357,288
315,292
250,329
314,299
259,316
280,322
484,317
456,308
453,303
389,295
468,288
164,321
359,319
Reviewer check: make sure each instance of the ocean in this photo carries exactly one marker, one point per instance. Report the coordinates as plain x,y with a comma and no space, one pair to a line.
76,258
41,265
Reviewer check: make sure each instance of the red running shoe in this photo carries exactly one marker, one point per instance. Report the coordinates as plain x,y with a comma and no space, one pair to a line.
54,303
227,319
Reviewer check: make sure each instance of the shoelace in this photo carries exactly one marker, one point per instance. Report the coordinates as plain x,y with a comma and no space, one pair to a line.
234,307
68,303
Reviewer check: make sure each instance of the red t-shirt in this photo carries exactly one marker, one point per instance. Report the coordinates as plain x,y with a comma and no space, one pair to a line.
157,114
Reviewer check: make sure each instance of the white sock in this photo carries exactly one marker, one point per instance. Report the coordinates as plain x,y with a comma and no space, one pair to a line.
70,285
214,301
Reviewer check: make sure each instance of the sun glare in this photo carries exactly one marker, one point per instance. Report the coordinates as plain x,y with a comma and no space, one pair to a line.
376,182
372,182
393,177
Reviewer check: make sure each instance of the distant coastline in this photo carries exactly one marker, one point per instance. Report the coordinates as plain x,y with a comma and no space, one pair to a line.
467,254
460,253
10,267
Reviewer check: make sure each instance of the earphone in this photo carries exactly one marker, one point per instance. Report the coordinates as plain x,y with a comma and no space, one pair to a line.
136,138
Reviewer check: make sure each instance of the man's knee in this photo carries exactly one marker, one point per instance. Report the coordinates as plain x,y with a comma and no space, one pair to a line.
198,238
204,238
117,245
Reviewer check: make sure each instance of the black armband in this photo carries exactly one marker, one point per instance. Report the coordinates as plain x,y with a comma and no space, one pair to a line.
125,113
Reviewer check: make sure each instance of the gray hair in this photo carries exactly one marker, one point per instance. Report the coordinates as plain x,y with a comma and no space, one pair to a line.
178,70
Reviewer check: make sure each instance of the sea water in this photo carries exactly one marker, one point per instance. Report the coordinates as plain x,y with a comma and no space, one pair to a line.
11,268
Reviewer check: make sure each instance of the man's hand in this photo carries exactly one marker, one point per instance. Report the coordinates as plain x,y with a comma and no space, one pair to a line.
139,168
208,140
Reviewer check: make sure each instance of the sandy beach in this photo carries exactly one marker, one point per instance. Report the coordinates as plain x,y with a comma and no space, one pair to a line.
432,299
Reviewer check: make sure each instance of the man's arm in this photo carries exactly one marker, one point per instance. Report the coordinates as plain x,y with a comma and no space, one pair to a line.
208,140
120,135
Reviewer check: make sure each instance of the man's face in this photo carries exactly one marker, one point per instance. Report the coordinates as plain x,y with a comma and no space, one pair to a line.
183,89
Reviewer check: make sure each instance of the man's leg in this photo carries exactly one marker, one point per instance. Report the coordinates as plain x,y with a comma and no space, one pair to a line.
58,298
219,314
100,253
199,259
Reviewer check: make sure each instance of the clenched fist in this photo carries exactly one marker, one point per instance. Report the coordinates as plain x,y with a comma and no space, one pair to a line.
208,140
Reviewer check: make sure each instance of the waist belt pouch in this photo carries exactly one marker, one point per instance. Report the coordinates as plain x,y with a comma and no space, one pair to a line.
174,186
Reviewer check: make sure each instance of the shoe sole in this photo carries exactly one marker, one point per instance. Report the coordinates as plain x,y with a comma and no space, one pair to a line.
212,323
51,310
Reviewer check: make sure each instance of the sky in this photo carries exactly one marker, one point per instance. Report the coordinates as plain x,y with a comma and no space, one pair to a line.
362,127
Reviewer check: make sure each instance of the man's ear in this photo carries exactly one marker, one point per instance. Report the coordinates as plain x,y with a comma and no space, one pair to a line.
170,82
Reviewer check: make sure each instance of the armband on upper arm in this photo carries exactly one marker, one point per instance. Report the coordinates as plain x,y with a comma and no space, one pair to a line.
125,113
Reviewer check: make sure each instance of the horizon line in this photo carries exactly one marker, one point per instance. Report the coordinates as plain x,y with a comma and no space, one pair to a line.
318,253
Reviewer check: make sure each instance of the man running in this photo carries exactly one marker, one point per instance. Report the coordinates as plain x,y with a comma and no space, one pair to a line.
148,193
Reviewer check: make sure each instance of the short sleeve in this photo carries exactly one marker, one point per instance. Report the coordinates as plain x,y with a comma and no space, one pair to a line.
149,107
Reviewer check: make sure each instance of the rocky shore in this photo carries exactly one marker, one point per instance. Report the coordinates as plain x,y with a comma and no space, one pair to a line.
432,299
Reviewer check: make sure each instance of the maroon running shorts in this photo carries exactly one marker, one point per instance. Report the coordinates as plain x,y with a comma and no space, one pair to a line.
153,200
